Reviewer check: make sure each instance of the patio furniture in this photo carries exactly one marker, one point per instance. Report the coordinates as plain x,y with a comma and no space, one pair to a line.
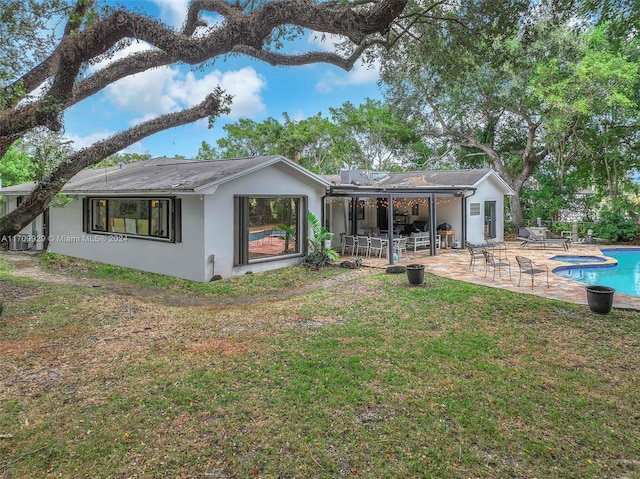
378,245
349,242
526,266
495,263
499,249
418,240
475,252
400,247
534,239
530,238
363,245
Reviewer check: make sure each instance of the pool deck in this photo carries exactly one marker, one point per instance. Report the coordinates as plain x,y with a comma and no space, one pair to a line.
454,264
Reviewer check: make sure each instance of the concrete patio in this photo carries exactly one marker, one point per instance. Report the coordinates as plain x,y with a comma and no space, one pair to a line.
454,264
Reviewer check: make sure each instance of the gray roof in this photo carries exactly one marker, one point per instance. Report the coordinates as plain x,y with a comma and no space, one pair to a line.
165,174
413,183
168,174
458,178
82,176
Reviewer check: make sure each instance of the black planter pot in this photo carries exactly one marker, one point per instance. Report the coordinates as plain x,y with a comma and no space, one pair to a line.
415,273
600,299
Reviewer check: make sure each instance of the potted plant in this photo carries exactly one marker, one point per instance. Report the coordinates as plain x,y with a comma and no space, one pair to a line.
600,299
415,273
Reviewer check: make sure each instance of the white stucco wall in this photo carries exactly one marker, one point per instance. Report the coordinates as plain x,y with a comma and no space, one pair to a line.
219,219
208,236
183,260
488,190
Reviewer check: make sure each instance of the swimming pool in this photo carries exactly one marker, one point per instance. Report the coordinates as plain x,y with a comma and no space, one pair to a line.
623,277
579,259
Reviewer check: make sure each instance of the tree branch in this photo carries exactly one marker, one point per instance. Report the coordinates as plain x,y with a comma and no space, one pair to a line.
212,106
249,30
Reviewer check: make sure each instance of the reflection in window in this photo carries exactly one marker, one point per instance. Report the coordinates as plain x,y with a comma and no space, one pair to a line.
132,216
268,227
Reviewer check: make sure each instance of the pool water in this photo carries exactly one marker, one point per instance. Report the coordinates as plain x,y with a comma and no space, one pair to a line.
579,259
623,277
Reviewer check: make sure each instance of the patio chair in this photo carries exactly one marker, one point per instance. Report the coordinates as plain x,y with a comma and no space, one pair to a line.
475,252
363,245
400,247
526,266
499,249
494,262
349,242
378,246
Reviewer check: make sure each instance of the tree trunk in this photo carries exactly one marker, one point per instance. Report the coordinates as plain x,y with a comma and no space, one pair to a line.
517,218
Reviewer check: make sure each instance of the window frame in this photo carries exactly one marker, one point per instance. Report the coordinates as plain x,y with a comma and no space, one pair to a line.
173,217
241,229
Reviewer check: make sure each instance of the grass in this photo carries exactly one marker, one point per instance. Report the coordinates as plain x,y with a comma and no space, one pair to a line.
270,282
369,378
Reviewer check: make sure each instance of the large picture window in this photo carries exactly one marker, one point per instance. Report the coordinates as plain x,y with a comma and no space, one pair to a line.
154,218
268,227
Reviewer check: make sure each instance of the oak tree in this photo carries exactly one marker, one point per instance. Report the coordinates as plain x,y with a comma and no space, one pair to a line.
37,95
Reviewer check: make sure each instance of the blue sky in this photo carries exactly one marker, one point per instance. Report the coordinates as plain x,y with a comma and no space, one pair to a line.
260,91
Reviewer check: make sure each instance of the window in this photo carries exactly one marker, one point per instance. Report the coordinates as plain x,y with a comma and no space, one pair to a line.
474,209
154,218
268,228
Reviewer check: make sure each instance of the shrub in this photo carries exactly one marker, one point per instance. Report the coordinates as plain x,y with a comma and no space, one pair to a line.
615,225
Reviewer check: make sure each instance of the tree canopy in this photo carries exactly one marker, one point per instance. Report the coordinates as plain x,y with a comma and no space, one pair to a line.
36,91
517,98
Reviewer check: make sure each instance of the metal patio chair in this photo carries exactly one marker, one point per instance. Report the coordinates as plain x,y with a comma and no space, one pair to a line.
526,266
494,262
475,252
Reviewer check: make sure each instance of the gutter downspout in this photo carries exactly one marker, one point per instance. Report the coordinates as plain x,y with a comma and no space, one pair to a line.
464,216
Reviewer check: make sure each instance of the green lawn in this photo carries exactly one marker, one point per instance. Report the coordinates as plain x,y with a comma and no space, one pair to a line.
368,378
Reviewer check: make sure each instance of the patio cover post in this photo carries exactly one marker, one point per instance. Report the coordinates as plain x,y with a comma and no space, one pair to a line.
390,228
432,224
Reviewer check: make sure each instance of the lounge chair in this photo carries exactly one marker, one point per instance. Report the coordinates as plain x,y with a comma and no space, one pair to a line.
526,266
530,239
534,239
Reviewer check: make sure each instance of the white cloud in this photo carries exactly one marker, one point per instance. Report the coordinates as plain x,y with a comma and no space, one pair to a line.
172,12
80,142
163,90
361,73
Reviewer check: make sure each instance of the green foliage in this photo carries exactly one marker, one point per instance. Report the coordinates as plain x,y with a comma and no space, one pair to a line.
618,222
319,256
16,166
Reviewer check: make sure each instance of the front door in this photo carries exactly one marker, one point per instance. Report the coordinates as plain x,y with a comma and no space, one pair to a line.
490,219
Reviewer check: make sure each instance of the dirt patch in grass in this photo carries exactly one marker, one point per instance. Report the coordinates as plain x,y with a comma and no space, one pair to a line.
29,266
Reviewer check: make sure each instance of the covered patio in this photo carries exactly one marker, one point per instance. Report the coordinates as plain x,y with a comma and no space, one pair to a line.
443,208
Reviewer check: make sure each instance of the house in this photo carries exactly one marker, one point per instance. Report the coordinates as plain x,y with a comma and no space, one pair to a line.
185,218
199,219
457,206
